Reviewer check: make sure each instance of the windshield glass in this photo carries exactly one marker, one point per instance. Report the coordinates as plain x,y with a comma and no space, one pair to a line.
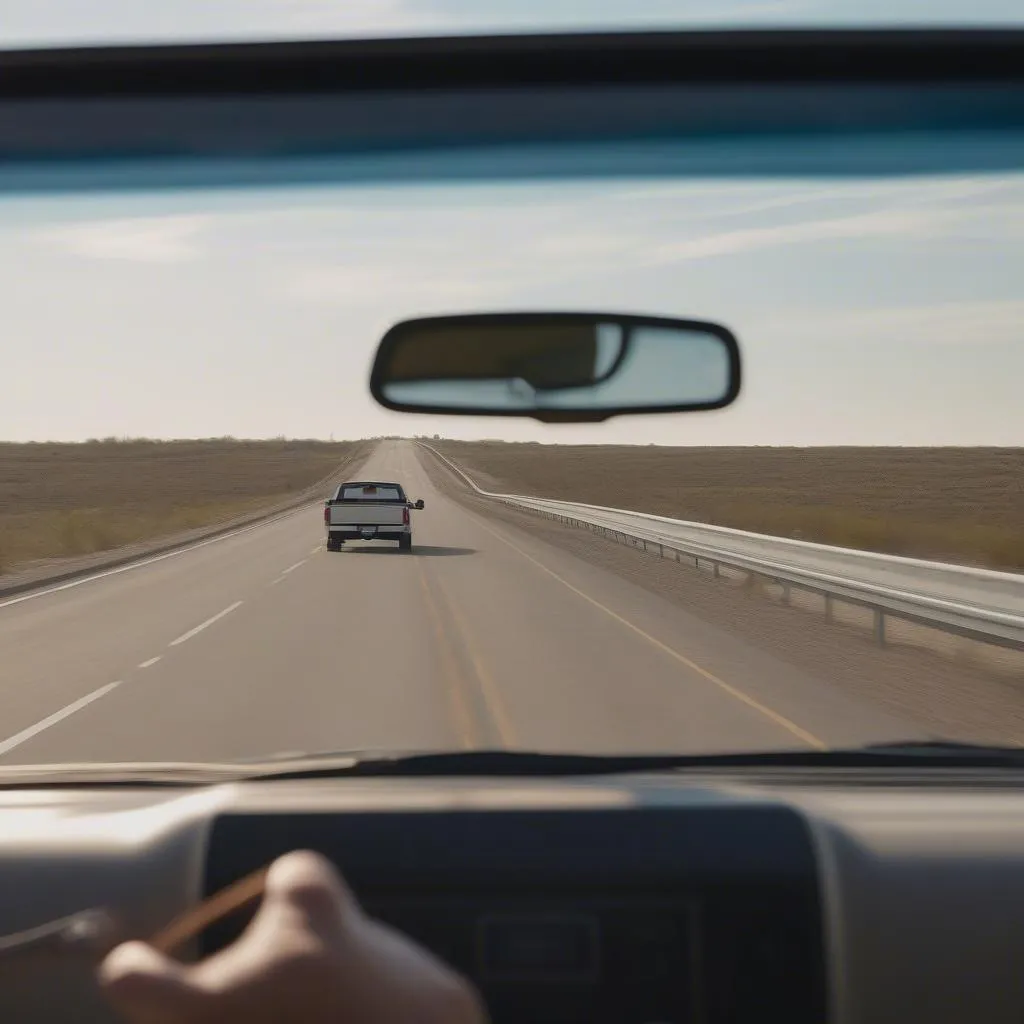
193,367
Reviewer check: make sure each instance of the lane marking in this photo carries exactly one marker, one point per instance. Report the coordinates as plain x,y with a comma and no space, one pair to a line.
317,549
202,625
58,716
32,595
291,568
152,661
807,737
492,699
450,669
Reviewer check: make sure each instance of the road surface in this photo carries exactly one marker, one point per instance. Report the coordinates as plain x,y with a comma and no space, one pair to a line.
483,636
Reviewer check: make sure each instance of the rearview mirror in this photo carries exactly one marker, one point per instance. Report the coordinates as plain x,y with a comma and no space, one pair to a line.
555,367
419,503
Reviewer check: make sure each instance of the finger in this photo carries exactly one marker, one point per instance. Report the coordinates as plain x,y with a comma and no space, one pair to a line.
148,986
307,883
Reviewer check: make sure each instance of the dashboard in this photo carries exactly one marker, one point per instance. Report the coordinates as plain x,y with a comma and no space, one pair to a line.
797,896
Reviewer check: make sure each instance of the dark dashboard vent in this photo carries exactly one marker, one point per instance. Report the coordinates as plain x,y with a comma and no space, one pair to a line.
707,914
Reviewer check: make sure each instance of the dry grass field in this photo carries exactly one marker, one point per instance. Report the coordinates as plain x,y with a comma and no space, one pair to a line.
957,504
64,500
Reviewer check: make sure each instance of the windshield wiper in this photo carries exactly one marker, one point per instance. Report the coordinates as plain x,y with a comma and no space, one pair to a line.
520,764
504,764
950,748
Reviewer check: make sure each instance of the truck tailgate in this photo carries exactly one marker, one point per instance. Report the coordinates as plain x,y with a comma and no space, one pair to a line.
366,514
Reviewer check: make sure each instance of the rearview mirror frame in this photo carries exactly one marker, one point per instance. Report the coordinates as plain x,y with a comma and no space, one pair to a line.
395,336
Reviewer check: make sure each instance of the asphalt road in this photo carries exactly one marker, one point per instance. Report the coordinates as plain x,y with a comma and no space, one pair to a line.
482,636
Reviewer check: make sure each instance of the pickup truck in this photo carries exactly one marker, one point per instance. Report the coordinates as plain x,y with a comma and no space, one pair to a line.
368,510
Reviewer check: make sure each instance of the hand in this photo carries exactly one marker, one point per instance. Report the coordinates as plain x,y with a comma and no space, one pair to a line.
309,955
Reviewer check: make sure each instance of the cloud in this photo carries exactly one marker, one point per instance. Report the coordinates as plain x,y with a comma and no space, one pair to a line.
993,222
361,286
908,194
134,239
443,258
996,322
887,209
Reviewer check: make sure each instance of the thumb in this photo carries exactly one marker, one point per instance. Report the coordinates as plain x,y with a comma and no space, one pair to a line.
148,987
309,886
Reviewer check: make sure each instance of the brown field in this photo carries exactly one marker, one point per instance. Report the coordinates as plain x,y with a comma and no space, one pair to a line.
958,504
64,500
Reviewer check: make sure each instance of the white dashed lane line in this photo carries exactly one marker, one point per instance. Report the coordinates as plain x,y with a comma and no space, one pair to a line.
58,716
291,568
202,625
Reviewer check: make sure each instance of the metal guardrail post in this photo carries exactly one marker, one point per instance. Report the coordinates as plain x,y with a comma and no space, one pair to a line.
880,626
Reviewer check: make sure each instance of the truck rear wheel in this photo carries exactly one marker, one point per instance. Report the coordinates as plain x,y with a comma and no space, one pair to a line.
333,544
405,542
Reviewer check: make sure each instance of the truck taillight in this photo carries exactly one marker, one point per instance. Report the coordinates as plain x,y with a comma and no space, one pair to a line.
327,513
405,517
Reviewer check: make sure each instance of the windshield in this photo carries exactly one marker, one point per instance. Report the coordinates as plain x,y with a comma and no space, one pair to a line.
185,383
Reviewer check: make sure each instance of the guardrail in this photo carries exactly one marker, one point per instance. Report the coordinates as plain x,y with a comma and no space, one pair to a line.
980,604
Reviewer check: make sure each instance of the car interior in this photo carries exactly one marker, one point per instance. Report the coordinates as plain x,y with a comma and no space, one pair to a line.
824,886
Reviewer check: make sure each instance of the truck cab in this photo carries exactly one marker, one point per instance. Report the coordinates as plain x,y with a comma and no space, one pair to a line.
369,510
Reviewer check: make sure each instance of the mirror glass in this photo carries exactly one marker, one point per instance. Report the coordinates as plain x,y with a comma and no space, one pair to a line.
568,367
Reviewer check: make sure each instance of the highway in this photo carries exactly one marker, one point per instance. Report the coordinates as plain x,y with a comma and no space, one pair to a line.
265,643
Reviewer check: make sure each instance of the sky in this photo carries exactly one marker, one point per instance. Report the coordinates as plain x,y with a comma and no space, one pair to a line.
60,22
868,312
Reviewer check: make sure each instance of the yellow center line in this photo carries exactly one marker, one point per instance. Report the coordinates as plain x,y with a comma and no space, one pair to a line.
449,667
488,687
807,737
